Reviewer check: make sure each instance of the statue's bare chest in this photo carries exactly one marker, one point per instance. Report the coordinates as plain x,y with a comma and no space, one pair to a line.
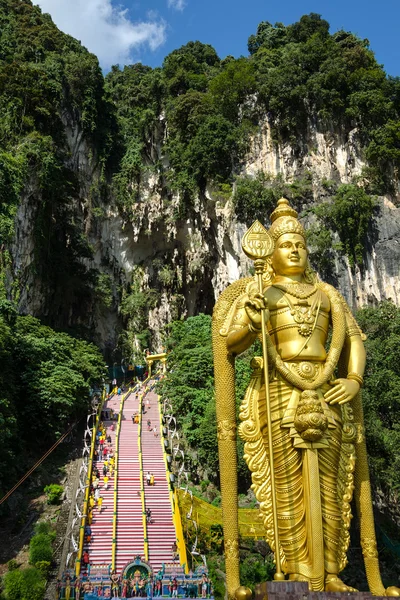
300,313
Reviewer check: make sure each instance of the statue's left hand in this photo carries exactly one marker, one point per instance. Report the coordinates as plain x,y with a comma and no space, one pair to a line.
343,391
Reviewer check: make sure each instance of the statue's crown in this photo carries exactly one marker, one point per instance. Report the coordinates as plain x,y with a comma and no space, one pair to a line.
284,220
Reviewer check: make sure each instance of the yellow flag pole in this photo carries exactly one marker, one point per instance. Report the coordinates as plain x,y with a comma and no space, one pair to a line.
257,244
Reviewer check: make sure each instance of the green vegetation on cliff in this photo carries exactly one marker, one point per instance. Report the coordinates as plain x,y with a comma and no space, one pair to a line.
75,144
381,394
199,112
45,381
49,84
300,76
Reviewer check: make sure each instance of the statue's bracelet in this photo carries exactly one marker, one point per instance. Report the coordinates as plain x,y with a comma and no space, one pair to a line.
356,377
253,329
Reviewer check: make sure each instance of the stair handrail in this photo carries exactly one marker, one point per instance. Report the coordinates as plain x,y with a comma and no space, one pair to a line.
115,519
173,436
179,533
83,513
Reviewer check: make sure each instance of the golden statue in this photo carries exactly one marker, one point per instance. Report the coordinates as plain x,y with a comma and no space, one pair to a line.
304,402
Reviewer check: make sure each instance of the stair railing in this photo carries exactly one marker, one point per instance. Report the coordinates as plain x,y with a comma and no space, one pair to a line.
181,471
85,477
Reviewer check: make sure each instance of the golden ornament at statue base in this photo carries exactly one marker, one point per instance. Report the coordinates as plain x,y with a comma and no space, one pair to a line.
243,593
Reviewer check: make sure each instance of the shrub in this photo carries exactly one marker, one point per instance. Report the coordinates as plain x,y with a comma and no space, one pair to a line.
350,215
12,565
44,567
53,493
254,198
45,527
12,582
28,584
40,548
254,569
320,245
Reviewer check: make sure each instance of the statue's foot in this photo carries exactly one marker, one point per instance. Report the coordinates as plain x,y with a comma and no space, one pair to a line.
334,584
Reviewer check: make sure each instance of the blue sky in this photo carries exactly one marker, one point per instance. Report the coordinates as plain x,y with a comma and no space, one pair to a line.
128,31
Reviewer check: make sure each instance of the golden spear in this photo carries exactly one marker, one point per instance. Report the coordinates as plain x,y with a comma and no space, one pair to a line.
258,244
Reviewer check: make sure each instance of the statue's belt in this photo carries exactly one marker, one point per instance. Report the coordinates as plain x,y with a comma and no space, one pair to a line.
286,414
306,369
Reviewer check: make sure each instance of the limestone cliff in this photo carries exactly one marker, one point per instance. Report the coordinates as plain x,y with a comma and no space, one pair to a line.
204,249
338,157
201,251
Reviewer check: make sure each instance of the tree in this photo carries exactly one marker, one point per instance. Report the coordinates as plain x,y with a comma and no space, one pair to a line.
381,393
189,67
212,150
268,36
232,86
254,198
350,215
308,26
46,377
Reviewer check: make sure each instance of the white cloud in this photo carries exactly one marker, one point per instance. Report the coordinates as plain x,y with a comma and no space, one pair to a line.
106,30
177,4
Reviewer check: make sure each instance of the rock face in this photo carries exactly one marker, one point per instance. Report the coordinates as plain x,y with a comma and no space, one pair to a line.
187,257
335,157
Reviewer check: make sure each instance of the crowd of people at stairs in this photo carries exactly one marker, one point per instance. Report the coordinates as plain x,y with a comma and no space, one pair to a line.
145,407
104,452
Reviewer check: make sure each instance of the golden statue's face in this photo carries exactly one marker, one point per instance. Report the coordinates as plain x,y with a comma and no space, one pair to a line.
290,255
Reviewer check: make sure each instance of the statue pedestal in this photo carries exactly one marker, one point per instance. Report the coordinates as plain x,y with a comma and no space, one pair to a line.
298,590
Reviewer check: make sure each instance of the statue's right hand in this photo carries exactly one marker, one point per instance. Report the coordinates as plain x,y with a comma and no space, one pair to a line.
253,306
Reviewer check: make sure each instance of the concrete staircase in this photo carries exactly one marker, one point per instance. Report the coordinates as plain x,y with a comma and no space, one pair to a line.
161,532
130,534
129,529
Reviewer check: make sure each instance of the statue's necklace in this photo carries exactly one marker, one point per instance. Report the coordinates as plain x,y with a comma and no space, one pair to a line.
297,289
304,316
